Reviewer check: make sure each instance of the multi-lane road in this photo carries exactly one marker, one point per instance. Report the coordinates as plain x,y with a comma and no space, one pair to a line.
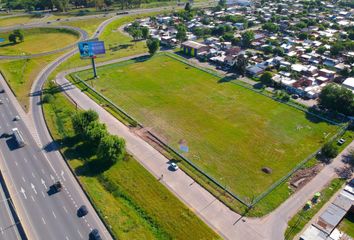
29,172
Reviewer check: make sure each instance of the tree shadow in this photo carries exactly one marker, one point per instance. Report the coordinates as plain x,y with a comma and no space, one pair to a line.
226,79
120,47
141,58
258,86
317,115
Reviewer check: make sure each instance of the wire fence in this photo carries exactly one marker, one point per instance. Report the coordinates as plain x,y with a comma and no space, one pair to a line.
166,146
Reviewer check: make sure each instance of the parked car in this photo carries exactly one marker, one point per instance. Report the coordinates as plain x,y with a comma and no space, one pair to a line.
295,96
341,141
2,90
17,118
95,235
57,186
174,166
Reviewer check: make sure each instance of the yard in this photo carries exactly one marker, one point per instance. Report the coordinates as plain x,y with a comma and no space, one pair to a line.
347,224
38,40
231,132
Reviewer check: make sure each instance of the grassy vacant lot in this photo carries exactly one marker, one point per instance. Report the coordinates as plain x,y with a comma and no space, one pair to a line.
298,222
347,225
89,25
20,75
132,201
232,132
11,20
38,40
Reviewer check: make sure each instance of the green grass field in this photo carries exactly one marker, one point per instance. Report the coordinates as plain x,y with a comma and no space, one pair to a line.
20,74
347,225
231,132
15,20
129,198
38,40
89,25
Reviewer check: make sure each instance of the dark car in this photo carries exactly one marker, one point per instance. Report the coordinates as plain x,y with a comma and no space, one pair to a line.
57,186
82,211
2,90
95,235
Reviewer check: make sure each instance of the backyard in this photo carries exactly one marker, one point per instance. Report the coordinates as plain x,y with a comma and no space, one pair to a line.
231,132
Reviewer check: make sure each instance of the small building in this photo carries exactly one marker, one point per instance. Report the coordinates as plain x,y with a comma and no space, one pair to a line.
193,48
349,83
330,218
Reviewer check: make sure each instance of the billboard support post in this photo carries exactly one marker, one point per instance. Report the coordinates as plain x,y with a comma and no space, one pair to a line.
94,67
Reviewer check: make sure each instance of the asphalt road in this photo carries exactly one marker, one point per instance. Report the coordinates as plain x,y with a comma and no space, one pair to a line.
8,224
30,171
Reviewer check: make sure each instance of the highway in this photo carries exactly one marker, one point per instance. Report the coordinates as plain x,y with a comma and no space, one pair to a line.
29,171
9,222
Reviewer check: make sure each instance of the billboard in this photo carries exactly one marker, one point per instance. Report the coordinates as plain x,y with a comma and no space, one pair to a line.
89,49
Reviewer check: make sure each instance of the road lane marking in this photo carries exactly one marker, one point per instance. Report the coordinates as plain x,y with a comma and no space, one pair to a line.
34,189
66,210
23,179
62,175
66,237
43,194
16,163
33,198
43,221
33,175
80,234
25,160
54,214
23,192
43,182
51,177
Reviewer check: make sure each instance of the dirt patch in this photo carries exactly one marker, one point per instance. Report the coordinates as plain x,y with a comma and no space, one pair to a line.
303,176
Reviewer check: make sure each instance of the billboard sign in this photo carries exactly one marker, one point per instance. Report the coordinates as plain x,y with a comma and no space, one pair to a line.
2,39
89,49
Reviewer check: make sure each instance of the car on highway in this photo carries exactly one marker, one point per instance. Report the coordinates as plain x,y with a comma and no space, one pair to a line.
17,118
95,235
55,188
174,166
82,211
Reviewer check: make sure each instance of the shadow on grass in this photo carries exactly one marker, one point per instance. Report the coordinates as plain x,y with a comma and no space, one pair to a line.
120,47
331,117
226,79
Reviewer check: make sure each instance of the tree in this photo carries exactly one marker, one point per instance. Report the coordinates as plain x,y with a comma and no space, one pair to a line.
303,36
13,38
337,98
266,78
94,132
111,149
321,50
188,7
329,150
240,64
247,38
336,48
153,45
181,33
82,119
19,34
145,32
136,34
271,27
222,3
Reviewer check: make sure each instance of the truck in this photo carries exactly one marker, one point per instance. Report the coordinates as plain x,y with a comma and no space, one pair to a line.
18,137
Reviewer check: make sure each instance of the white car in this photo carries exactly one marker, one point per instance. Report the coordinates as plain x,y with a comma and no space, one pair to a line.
341,141
174,166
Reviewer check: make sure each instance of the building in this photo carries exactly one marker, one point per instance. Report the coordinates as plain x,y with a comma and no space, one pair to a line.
193,48
349,83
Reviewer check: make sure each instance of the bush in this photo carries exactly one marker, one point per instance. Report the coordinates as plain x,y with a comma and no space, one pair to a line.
330,150
47,98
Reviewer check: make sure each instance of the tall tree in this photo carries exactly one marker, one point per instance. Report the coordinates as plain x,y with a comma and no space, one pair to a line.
153,45
111,149
247,38
240,64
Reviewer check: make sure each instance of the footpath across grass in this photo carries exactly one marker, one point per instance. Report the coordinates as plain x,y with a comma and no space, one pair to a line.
38,40
232,132
298,222
132,202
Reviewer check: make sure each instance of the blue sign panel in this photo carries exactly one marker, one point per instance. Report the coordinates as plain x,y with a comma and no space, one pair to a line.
91,48
2,39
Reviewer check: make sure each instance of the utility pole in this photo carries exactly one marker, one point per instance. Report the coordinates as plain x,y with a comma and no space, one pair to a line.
94,66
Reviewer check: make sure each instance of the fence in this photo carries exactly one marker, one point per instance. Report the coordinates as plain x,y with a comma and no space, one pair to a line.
133,121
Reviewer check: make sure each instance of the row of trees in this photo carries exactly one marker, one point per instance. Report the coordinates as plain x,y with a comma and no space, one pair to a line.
109,148
63,5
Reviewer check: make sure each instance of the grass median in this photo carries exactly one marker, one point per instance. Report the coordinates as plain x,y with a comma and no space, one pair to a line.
131,201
